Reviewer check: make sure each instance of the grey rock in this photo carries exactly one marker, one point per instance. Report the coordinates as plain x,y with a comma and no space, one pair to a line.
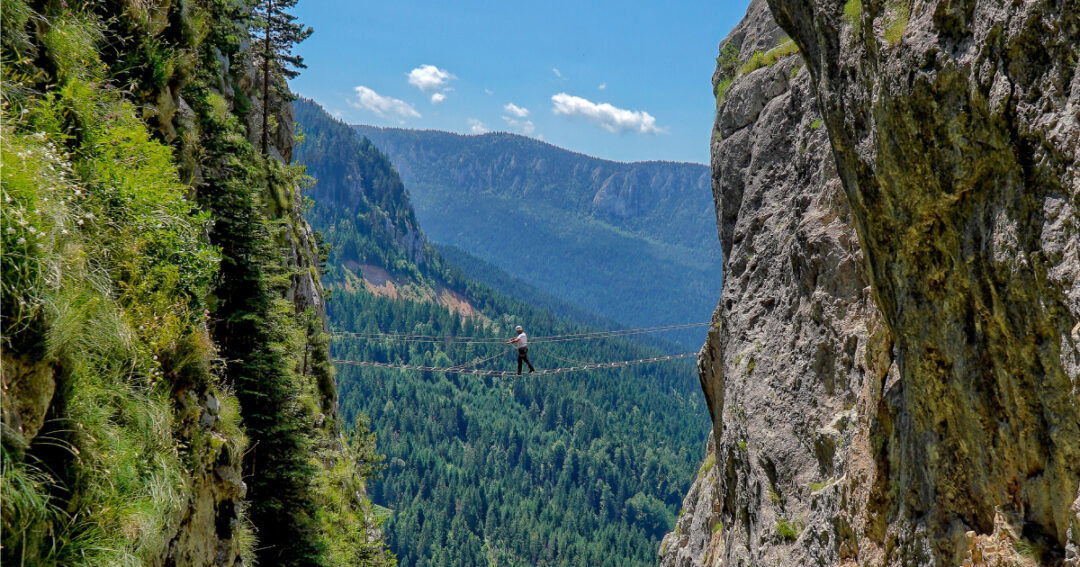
954,128
909,395
213,405
208,420
793,347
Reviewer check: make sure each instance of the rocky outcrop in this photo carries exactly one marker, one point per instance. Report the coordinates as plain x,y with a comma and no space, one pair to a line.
928,408
796,346
954,127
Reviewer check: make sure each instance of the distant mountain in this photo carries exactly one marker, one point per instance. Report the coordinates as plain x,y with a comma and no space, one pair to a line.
578,469
633,242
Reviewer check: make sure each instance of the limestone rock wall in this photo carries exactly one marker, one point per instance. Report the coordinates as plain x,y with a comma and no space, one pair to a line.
926,409
954,127
797,349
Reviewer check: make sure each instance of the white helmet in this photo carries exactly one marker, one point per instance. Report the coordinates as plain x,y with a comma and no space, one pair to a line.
518,328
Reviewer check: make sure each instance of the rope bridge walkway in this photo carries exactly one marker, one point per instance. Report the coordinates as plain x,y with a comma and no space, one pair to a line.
543,371
410,338
471,367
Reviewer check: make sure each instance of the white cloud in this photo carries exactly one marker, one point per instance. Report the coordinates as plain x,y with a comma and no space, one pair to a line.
604,115
489,91
436,98
429,78
516,110
524,126
602,86
557,72
368,99
477,127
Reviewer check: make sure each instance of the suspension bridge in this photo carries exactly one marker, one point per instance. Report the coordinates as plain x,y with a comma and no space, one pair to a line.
473,367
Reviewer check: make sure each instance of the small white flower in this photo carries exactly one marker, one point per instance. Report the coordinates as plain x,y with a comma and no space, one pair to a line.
63,231
10,230
21,240
79,222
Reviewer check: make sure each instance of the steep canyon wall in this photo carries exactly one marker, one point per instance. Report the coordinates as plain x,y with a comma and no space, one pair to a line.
893,373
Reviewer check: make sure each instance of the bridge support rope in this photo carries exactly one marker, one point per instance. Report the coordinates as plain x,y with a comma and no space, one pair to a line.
541,372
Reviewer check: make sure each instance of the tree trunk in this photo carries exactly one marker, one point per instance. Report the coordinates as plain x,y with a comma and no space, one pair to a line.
267,53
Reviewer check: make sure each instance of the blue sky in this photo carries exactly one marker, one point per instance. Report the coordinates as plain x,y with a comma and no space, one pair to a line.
623,80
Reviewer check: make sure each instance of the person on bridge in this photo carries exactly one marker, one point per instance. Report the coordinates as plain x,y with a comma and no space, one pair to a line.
522,343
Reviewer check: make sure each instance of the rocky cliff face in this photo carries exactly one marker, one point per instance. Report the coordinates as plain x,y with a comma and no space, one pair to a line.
134,453
926,409
796,343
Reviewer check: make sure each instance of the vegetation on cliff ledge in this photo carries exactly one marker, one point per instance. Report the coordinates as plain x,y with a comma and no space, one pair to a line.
168,396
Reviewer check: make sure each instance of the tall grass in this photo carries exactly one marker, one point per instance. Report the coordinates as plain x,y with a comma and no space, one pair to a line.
104,277
767,58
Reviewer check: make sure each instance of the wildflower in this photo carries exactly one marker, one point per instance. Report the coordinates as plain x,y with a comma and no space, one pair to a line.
10,230
79,222
21,240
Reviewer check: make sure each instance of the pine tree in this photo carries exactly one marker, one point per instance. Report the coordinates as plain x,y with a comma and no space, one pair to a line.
278,31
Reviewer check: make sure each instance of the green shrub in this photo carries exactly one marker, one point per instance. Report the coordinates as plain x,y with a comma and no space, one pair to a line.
708,464
897,14
853,14
721,89
1029,549
767,58
728,60
787,530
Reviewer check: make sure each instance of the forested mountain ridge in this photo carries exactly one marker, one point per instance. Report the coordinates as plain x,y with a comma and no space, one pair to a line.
575,469
168,396
655,199
633,242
